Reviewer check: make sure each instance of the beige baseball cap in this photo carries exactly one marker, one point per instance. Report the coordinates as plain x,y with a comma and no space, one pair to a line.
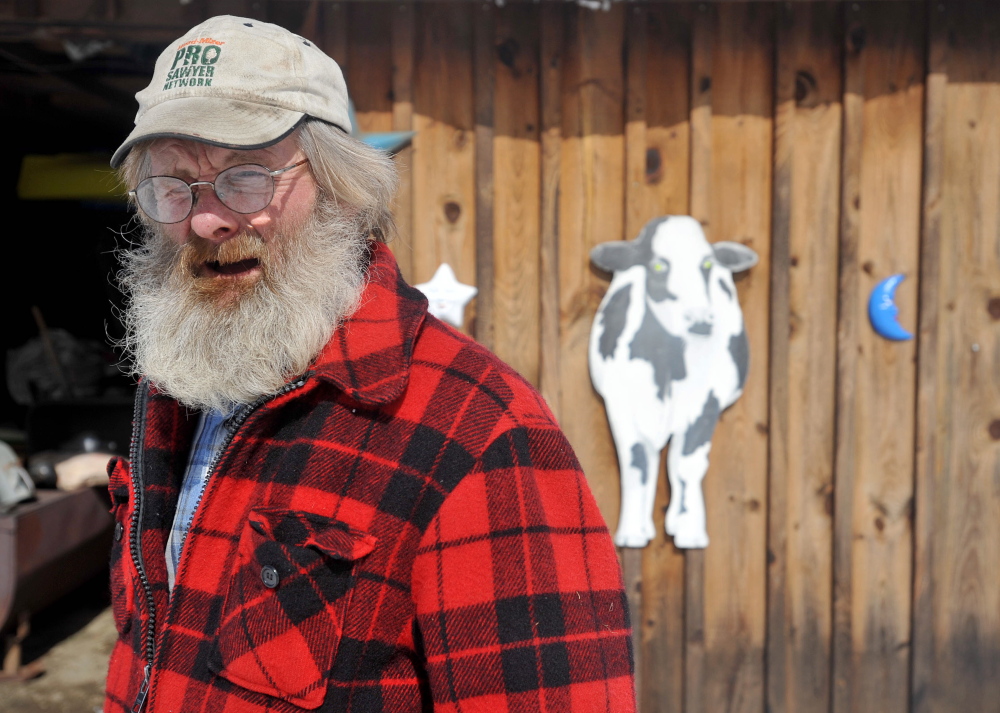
238,83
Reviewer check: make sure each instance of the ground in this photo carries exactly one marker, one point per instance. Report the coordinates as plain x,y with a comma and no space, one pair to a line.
72,639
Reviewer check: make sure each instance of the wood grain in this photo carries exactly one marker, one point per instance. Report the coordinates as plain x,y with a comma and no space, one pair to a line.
956,641
517,192
736,484
402,120
484,74
591,211
550,109
876,401
444,168
803,365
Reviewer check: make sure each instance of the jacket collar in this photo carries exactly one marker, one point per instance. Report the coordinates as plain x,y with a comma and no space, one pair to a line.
369,356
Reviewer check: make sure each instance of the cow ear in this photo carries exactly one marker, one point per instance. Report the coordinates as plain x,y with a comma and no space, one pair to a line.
615,256
735,256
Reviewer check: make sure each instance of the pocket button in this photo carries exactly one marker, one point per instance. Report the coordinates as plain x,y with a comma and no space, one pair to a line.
119,531
269,575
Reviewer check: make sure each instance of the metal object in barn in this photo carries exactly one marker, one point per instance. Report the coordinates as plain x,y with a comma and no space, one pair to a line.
883,312
668,352
48,547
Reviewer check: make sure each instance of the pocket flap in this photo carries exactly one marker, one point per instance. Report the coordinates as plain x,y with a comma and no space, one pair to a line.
294,528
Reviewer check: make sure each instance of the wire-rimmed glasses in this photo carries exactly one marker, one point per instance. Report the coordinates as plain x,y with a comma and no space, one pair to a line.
246,188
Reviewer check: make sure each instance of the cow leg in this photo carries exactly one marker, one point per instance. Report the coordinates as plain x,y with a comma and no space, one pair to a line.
686,512
639,464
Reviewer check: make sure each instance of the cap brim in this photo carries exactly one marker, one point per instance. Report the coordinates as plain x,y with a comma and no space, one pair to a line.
229,123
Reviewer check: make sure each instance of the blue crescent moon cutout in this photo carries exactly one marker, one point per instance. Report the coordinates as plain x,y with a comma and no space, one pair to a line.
882,310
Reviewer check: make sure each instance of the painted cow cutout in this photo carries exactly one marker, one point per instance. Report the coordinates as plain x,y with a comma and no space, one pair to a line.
668,352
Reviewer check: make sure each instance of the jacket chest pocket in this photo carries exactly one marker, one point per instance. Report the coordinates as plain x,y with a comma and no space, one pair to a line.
284,610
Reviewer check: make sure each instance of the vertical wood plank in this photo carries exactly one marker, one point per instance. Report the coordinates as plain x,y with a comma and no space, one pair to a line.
333,39
736,484
517,182
402,120
591,211
883,107
803,367
657,179
550,82
369,66
484,19
956,638
444,169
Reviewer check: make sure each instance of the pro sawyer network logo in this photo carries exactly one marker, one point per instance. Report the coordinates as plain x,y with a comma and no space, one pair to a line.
194,64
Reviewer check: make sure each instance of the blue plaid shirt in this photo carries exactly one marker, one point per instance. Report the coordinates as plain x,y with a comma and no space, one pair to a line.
211,433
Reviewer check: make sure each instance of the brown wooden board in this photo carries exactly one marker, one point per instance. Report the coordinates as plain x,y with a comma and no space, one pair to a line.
803,362
402,120
739,201
956,638
550,111
657,178
484,32
517,189
444,169
369,66
591,211
883,142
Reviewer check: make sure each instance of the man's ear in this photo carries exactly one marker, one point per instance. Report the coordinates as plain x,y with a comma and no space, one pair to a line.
735,256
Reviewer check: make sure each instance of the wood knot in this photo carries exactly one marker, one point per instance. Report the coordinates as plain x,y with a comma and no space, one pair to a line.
452,211
868,267
654,165
994,429
993,307
507,52
805,87
857,38
705,84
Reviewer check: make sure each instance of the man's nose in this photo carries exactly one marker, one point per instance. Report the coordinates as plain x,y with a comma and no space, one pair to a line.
210,218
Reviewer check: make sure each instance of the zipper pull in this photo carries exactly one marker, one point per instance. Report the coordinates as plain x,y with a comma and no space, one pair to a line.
143,689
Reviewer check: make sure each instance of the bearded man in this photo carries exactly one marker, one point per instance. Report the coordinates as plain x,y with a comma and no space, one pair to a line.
333,501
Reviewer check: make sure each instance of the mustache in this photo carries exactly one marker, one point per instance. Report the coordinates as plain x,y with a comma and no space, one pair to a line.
245,246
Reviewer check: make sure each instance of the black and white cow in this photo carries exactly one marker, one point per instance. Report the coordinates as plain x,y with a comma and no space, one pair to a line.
668,352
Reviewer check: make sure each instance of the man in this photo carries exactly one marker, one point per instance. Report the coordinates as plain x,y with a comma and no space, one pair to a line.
333,501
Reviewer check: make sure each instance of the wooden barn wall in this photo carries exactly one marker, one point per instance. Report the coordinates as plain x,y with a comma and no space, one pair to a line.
854,491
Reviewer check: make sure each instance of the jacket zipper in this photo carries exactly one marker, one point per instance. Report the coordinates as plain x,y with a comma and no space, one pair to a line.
136,551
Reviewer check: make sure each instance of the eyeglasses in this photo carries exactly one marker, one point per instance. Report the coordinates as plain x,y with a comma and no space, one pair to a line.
246,188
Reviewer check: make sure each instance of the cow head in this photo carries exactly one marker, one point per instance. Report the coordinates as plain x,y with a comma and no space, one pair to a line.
685,275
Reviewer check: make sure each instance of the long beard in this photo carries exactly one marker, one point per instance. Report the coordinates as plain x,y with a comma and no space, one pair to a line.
211,343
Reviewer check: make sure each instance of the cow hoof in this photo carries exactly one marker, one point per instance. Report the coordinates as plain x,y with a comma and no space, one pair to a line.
632,539
691,541
671,524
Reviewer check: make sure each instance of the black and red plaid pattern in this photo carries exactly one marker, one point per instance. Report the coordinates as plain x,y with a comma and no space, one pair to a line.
406,529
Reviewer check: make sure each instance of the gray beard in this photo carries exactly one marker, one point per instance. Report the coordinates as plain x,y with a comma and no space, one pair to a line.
214,352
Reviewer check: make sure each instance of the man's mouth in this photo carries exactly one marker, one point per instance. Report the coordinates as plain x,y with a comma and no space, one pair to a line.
215,268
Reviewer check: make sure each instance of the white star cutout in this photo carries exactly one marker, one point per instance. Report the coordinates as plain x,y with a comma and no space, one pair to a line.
447,296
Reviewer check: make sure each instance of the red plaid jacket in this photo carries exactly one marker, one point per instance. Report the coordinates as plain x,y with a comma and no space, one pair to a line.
404,528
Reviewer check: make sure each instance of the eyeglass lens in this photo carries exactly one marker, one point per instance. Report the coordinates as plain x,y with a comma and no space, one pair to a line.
244,189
